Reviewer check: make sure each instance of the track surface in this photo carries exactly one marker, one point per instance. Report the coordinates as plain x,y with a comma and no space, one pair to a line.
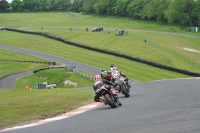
170,106
8,81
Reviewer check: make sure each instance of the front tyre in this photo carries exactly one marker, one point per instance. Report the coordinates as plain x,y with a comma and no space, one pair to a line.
110,101
124,91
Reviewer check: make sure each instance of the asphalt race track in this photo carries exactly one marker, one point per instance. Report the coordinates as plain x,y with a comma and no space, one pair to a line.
8,81
168,106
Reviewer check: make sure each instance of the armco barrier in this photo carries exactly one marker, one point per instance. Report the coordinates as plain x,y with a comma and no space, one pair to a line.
35,71
111,53
82,74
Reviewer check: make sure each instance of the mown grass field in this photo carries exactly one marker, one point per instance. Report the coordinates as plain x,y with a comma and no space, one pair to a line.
16,105
167,49
7,67
70,20
134,70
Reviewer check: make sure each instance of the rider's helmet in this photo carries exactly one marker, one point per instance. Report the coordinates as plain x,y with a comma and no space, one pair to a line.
112,65
103,69
97,77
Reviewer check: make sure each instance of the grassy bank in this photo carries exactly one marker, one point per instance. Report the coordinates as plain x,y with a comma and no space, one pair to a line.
168,49
134,70
8,67
20,105
61,19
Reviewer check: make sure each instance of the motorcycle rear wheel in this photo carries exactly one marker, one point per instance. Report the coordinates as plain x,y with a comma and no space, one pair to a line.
110,101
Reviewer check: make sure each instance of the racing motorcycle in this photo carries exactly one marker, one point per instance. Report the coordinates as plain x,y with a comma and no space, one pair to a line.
121,83
110,96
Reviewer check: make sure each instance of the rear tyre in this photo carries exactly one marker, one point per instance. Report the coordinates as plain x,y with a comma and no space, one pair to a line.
110,101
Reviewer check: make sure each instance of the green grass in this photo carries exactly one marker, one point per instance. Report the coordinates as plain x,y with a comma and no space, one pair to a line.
7,67
63,19
21,106
53,76
134,70
160,47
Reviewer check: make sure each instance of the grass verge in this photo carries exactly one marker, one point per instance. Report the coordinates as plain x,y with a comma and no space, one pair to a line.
7,67
20,106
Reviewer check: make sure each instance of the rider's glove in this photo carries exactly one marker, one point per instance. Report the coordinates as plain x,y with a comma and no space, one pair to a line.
98,90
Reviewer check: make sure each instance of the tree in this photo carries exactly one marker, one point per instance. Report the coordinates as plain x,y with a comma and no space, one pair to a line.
154,9
88,6
110,9
54,4
46,4
42,5
64,4
29,4
17,5
120,7
135,8
182,12
101,6
77,5
3,5
197,12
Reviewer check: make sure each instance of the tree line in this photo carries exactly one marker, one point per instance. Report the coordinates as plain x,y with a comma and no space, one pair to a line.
183,12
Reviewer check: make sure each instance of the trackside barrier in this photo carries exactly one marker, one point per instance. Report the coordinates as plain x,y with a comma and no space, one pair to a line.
35,71
82,74
57,67
111,53
73,69
193,29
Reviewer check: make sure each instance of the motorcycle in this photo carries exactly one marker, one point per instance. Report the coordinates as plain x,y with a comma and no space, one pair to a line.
110,96
121,84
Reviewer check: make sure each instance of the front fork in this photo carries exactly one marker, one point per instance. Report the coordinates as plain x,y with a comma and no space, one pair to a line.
126,85
115,96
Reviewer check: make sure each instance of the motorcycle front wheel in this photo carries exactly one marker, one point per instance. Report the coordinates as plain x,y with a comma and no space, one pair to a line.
110,101
124,91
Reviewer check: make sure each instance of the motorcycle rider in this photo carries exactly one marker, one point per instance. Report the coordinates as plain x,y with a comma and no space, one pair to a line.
106,75
98,85
113,67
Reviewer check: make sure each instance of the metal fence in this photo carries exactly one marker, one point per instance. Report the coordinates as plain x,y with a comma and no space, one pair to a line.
82,74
